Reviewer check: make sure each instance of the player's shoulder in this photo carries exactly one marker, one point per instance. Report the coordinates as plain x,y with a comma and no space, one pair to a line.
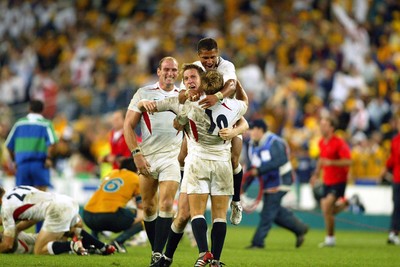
224,63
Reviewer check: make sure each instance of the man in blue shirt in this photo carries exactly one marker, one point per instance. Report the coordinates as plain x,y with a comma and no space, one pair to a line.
269,158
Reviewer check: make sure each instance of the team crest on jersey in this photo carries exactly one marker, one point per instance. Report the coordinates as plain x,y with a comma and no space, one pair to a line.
113,185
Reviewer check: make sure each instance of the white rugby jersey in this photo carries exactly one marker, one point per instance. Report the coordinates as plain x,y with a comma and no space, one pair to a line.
225,67
24,203
158,133
204,125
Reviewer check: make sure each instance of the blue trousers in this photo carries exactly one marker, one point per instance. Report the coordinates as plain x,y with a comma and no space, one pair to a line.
395,220
273,212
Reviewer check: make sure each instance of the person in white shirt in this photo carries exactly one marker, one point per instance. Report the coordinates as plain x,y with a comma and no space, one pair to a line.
209,59
157,156
208,168
24,206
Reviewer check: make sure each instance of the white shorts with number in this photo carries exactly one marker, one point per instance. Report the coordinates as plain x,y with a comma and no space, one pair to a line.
165,166
207,177
61,214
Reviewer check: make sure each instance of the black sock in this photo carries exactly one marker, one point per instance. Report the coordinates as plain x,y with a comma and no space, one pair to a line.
163,225
199,227
150,227
172,243
237,184
59,247
218,234
128,233
88,239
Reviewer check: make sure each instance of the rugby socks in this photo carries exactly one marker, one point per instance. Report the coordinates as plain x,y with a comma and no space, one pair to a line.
150,227
163,224
128,233
218,234
173,240
88,239
57,247
182,169
237,183
199,227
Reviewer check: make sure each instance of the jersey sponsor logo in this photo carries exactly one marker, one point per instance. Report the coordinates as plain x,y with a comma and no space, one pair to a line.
113,185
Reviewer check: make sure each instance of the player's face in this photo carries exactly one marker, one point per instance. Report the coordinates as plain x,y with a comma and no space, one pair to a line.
209,59
167,73
191,79
325,127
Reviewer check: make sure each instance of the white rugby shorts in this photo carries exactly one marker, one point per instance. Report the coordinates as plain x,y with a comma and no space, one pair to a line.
207,177
60,214
165,166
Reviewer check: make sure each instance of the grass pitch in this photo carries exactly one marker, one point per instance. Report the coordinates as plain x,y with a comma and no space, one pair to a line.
353,249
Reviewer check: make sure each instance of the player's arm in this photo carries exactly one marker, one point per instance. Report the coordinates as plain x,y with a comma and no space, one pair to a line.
241,94
6,244
132,118
147,105
23,225
240,127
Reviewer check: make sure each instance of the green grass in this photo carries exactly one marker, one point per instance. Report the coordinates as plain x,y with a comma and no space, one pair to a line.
353,249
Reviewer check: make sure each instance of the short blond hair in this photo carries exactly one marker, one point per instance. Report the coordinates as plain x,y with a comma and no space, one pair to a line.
212,81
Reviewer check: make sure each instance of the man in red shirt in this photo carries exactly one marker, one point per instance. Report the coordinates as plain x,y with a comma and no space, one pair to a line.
393,164
334,161
119,149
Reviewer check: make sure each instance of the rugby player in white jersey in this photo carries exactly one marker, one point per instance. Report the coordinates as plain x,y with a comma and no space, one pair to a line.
209,59
25,205
191,76
208,167
157,156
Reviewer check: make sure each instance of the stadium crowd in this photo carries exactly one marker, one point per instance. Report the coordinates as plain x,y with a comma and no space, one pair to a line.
295,59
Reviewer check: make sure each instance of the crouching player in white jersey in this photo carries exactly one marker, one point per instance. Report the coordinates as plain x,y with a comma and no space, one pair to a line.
25,205
208,168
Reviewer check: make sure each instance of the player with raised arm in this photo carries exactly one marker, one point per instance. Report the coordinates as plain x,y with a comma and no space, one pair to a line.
157,157
207,166
209,59
191,75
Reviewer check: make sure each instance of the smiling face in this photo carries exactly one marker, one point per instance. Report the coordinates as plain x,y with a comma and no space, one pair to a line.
167,73
191,79
208,58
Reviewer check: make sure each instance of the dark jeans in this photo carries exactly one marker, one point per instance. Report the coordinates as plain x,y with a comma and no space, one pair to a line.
273,212
395,221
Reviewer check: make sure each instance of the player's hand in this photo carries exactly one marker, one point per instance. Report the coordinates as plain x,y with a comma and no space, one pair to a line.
227,133
150,106
208,101
314,179
193,95
253,172
178,126
48,163
142,165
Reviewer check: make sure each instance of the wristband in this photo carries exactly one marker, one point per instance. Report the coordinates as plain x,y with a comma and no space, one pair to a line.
219,95
136,151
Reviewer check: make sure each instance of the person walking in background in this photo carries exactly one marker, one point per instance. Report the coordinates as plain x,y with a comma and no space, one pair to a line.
108,205
157,157
119,149
269,158
393,165
31,143
334,162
